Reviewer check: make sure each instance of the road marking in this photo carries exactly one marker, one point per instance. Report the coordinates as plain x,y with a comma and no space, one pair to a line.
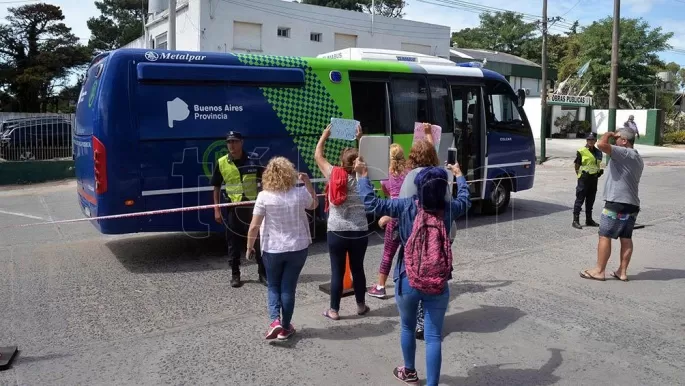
22,215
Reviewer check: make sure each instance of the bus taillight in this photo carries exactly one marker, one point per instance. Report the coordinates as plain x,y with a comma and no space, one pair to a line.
100,166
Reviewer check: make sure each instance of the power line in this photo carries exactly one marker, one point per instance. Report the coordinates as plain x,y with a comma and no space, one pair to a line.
18,1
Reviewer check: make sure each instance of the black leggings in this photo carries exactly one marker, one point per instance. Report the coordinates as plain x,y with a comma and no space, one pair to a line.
340,244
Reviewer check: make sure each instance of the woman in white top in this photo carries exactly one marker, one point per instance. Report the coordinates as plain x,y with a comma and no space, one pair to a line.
280,218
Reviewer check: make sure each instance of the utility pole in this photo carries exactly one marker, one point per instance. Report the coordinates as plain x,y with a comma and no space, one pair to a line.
171,33
613,82
543,94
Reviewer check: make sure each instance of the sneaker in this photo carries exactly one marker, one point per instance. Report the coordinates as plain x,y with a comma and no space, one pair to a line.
286,333
235,280
406,376
275,329
419,333
377,292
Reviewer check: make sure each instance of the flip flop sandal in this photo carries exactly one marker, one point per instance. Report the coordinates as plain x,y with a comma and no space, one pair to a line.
366,310
615,276
328,315
586,275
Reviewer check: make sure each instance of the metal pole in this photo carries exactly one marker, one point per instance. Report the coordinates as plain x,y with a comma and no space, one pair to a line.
171,34
543,95
613,83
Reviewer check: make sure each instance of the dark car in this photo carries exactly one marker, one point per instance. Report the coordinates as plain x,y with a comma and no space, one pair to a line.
35,138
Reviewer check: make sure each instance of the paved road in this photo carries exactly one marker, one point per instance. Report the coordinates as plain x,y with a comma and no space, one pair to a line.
157,309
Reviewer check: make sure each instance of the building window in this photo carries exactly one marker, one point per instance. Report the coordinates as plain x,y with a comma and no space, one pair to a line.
160,42
315,37
247,36
283,32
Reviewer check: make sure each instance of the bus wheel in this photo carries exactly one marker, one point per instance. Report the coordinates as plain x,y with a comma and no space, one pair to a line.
499,198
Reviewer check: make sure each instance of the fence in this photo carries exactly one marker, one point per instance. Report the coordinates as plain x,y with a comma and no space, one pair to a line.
35,136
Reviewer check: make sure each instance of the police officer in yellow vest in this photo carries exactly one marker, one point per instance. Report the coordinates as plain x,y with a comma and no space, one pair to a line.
588,171
241,174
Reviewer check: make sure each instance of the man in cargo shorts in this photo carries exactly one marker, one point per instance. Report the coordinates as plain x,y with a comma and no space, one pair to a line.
241,173
622,202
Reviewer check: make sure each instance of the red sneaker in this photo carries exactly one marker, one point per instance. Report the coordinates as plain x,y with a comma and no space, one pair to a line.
286,333
275,329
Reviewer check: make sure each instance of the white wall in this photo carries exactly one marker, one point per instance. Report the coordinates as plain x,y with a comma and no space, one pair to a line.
138,43
187,30
533,113
600,120
217,17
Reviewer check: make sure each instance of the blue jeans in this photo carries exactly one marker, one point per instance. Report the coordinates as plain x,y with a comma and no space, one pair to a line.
283,271
434,307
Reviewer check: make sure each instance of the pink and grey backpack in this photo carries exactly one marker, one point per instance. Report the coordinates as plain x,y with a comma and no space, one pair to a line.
428,253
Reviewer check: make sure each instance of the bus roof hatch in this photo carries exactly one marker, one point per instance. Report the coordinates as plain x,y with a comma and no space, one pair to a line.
376,54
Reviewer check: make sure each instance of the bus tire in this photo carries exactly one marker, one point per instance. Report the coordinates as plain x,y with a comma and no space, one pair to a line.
498,202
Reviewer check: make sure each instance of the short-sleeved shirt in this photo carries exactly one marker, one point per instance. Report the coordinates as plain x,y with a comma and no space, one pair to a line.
285,227
623,179
245,165
393,184
350,215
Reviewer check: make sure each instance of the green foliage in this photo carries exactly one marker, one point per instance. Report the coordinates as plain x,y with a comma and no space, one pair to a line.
120,22
389,8
677,137
500,31
639,45
37,54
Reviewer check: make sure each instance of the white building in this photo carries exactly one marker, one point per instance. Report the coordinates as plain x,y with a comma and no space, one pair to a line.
276,27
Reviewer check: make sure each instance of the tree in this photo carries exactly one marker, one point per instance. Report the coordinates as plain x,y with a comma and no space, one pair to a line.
37,53
389,8
503,32
120,22
638,47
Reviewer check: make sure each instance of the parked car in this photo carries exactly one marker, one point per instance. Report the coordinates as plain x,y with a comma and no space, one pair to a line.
35,138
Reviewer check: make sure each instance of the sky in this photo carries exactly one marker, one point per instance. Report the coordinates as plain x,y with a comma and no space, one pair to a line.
657,13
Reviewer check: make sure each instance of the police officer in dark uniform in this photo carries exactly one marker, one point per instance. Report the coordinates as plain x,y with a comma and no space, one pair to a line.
588,171
241,173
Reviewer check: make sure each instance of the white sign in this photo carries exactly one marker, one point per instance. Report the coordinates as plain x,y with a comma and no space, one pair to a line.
178,110
153,56
570,99
344,128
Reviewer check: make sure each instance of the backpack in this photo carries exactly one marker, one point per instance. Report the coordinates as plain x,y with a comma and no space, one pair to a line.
428,253
336,188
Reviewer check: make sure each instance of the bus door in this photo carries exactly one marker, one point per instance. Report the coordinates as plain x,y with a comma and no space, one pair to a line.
468,134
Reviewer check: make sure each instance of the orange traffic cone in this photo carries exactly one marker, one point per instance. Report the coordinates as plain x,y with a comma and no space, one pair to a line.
347,279
348,289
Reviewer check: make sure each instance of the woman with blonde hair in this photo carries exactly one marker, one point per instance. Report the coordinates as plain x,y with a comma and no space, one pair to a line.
391,187
280,218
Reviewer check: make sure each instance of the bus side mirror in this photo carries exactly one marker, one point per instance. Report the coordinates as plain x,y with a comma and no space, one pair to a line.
521,93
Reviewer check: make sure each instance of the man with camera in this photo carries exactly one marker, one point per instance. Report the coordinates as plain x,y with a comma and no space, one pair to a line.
588,171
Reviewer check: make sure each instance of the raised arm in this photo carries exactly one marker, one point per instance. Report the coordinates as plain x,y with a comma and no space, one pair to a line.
319,157
373,204
460,204
428,131
310,189
603,143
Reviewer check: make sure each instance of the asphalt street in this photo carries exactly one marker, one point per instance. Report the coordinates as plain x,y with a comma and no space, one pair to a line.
158,308
565,150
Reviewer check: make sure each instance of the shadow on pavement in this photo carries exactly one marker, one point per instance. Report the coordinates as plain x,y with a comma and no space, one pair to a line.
485,319
456,289
519,209
658,274
496,375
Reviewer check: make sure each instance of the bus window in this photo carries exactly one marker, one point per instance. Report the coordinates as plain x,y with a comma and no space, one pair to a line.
502,111
370,106
440,105
409,104
467,128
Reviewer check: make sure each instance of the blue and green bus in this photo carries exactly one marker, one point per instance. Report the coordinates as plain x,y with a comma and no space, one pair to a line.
150,124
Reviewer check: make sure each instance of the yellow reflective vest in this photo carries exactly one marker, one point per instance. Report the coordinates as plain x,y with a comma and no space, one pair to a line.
588,162
237,186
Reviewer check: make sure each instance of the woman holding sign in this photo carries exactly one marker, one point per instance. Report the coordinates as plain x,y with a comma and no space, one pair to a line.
347,224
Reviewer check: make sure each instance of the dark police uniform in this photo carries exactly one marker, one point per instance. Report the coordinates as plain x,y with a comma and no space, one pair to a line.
242,179
588,160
